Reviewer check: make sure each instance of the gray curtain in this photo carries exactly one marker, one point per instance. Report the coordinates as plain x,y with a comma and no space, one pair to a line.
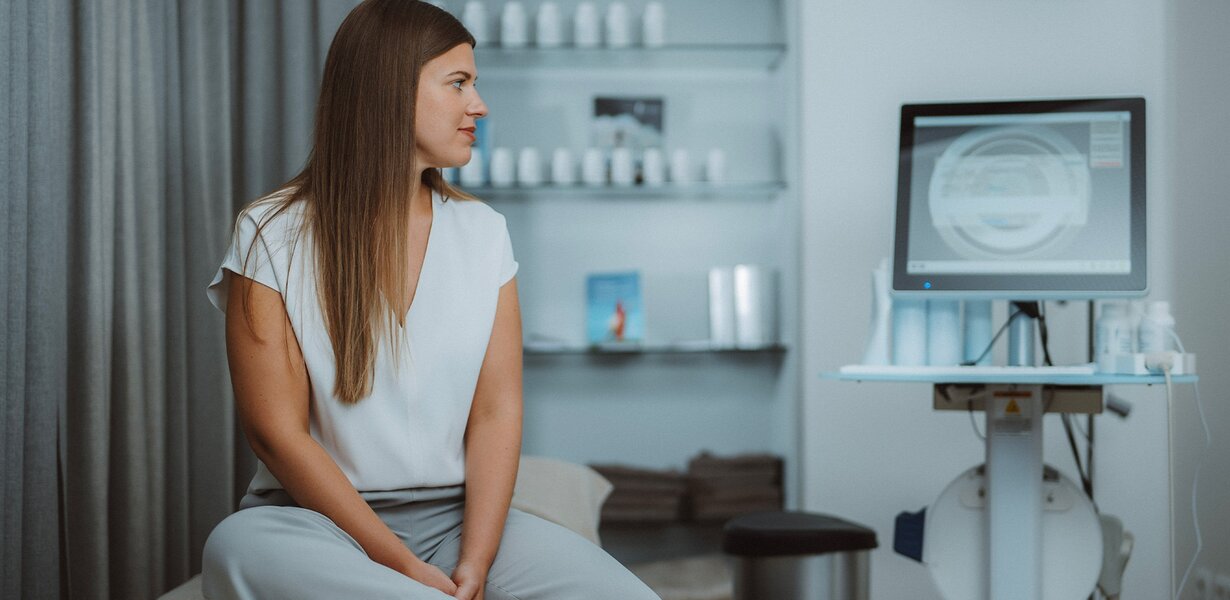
133,130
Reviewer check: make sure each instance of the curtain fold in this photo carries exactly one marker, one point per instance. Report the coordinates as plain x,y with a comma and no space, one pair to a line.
34,118
133,131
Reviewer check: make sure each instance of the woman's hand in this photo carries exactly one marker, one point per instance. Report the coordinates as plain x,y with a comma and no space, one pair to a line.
471,581
429,575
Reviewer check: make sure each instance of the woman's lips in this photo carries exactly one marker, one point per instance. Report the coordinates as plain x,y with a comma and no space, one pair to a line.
469,132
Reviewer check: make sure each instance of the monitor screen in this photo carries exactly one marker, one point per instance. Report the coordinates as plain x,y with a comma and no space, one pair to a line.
1022,200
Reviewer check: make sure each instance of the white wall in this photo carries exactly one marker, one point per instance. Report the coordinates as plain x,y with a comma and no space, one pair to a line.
872,450
1199,51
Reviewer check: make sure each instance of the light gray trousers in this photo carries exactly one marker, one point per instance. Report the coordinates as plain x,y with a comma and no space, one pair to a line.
272,549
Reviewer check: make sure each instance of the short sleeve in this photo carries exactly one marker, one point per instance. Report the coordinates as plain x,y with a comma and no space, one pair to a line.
508,264
249,255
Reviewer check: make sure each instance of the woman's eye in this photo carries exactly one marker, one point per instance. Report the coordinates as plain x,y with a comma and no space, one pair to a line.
457,84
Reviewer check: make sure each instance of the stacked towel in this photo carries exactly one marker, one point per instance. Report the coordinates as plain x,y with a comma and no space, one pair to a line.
721,488
642,495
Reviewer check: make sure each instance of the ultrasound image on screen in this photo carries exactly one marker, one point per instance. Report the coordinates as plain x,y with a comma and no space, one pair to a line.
1044,193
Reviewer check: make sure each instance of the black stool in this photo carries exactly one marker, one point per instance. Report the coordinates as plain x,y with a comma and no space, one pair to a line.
799,556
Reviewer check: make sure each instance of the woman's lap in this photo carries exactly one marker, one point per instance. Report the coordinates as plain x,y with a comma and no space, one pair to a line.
279,551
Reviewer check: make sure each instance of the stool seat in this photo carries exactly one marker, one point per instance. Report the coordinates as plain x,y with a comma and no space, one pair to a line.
788,533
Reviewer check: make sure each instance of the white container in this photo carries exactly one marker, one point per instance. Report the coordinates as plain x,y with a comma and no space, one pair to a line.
623,171
653,167
503,168
514,28
755,306
1112,335
909,332
653,25
548,32
586,28
529,167
876,352
1154,331
944,333
977,331
593,167
563,171
618,34
474,17
472,172
715,167
681,168
722,307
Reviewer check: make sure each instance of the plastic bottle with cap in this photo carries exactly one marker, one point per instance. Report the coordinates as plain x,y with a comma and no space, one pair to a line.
1153,334
1112,335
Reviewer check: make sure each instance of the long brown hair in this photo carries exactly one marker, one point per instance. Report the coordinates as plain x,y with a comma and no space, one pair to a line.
359,179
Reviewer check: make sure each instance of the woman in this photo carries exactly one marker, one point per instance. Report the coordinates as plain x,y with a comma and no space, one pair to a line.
374,341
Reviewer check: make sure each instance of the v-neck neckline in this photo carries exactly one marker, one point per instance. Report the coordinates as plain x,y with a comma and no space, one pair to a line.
431,229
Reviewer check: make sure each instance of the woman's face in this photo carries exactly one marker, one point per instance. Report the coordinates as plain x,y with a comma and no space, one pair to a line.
447,107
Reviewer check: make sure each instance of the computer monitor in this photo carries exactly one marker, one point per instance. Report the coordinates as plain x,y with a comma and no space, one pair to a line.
1026,200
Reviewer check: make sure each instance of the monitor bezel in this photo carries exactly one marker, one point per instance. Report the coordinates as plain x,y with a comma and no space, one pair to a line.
1031,287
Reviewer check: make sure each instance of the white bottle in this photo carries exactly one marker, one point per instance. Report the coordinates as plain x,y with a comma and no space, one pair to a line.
472,173
503,167
474,17
1112,335
617,33
529,168
586,32
547,31
562,170
623,172
881,315
513,27
1154,332
653,25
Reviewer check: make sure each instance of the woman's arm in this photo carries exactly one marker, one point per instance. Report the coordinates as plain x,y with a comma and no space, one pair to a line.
272,395
493,447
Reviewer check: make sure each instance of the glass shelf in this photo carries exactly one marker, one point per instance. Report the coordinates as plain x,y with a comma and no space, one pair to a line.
739,56
1004,375
737,191
686,347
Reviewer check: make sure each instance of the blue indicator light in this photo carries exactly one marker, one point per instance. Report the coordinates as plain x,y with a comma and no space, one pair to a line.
926,285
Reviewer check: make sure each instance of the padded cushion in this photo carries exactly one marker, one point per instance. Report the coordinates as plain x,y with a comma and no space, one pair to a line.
793,533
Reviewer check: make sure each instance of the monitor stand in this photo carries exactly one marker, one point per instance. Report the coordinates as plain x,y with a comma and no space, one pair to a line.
1014,473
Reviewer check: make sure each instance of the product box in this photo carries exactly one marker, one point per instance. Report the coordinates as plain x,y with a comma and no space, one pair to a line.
613,308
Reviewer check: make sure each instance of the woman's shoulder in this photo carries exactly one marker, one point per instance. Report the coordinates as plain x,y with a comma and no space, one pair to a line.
275,212
475,212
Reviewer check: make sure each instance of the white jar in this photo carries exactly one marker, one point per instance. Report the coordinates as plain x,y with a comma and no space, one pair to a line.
474,17
514,30
503,167
547,30
623,172
593,167
562,170
653,25
1112,335
653,167
1154,332
618,34
587,28
681,168
472,172
529,168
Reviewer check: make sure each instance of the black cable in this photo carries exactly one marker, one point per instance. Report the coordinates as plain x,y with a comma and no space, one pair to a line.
1042,331
970,363
1086,484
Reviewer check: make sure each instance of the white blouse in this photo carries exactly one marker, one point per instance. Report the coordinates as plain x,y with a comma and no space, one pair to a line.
409,432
